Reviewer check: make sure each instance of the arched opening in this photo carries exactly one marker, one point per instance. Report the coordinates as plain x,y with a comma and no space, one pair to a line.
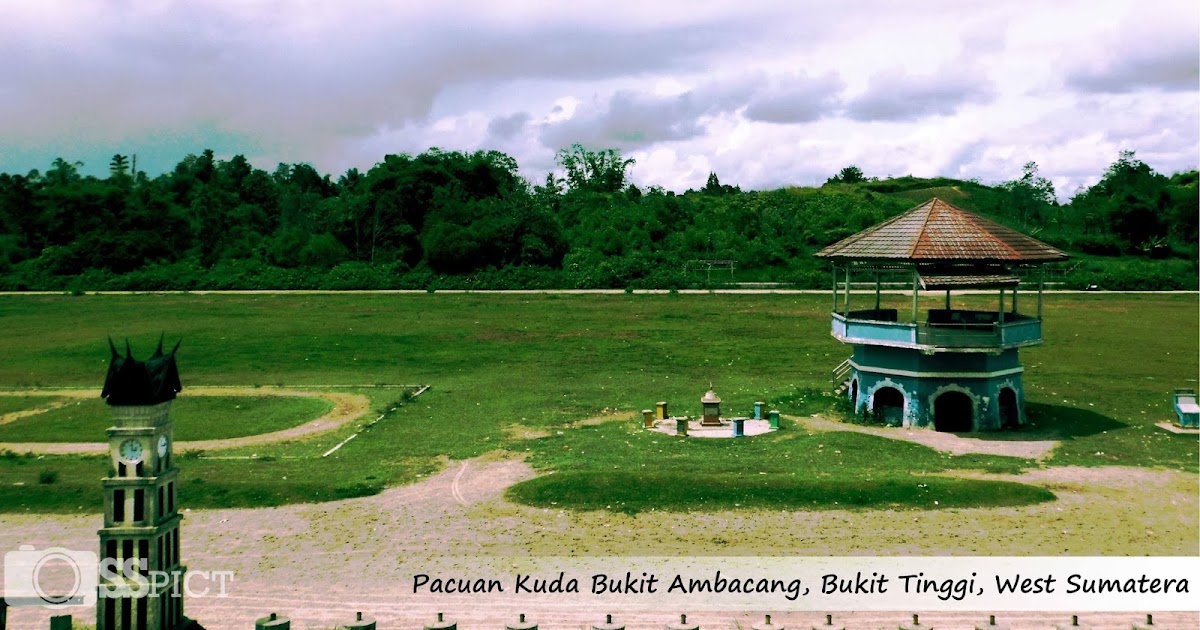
1010,415
854,395
888,406
953,412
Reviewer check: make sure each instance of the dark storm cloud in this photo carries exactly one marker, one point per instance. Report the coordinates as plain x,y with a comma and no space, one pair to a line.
631,119
897,96
301,82
505,127
796,99
1172,67
628,120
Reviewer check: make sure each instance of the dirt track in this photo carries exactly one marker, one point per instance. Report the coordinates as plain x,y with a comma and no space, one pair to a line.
346,407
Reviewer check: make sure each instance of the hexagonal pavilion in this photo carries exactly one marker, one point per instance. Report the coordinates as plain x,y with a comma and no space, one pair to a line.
956,369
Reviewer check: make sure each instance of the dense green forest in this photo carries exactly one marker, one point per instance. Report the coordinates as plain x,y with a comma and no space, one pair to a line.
468,220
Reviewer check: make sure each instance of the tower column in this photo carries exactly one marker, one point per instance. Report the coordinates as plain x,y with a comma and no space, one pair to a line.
141,523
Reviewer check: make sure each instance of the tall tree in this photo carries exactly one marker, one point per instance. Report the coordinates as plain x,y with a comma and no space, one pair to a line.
1031,196
594,170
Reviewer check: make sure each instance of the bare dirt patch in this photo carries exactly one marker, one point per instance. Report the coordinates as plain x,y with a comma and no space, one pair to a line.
319,563
346,407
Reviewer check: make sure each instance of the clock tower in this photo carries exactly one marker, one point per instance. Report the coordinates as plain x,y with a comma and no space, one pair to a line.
140,537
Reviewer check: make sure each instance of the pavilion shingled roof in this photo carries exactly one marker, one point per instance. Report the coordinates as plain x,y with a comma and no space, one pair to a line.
938,231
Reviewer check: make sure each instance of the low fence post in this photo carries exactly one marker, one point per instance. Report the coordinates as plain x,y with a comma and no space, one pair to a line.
272,622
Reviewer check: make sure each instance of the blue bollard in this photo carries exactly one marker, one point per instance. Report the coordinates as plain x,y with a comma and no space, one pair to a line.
738,426
758,407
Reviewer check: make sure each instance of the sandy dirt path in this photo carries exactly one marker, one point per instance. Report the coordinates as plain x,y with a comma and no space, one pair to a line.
320,563
25,413
346,408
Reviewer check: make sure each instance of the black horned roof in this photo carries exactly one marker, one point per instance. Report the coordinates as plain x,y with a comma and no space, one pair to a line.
133,382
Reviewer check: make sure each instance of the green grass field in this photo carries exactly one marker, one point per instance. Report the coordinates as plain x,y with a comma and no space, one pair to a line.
196,418
538,362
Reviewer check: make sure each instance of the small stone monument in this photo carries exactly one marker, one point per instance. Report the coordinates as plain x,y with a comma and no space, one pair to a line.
712,410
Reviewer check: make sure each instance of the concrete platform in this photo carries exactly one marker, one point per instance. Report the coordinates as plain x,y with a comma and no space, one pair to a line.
695,429
1167,426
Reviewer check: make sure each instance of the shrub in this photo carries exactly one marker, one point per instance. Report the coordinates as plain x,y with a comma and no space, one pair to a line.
47,477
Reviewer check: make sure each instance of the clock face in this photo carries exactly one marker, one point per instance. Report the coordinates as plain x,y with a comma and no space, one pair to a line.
131,451
162,446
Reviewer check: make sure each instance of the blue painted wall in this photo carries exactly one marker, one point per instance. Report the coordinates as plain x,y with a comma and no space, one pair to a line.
920,391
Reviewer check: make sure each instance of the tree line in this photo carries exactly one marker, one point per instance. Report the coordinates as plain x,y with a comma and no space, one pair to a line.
459,219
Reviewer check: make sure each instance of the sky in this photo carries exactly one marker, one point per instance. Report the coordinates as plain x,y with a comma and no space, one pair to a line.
765,93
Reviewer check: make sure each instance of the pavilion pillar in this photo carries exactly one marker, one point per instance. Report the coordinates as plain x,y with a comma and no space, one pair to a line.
1000,309
847,304
1041,286
1014,298
835,291
947,299
876,290
915,293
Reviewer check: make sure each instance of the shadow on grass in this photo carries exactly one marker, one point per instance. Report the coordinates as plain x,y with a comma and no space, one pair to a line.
631,493
1052,422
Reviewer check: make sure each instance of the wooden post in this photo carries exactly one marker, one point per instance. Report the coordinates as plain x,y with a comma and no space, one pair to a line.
915,279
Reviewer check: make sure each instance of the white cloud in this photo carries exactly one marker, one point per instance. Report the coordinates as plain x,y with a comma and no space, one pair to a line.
765,93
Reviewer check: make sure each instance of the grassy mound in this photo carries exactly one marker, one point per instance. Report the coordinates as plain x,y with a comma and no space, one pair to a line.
619,467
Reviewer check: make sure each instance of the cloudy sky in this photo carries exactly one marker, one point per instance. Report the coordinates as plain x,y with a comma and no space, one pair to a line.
764,93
